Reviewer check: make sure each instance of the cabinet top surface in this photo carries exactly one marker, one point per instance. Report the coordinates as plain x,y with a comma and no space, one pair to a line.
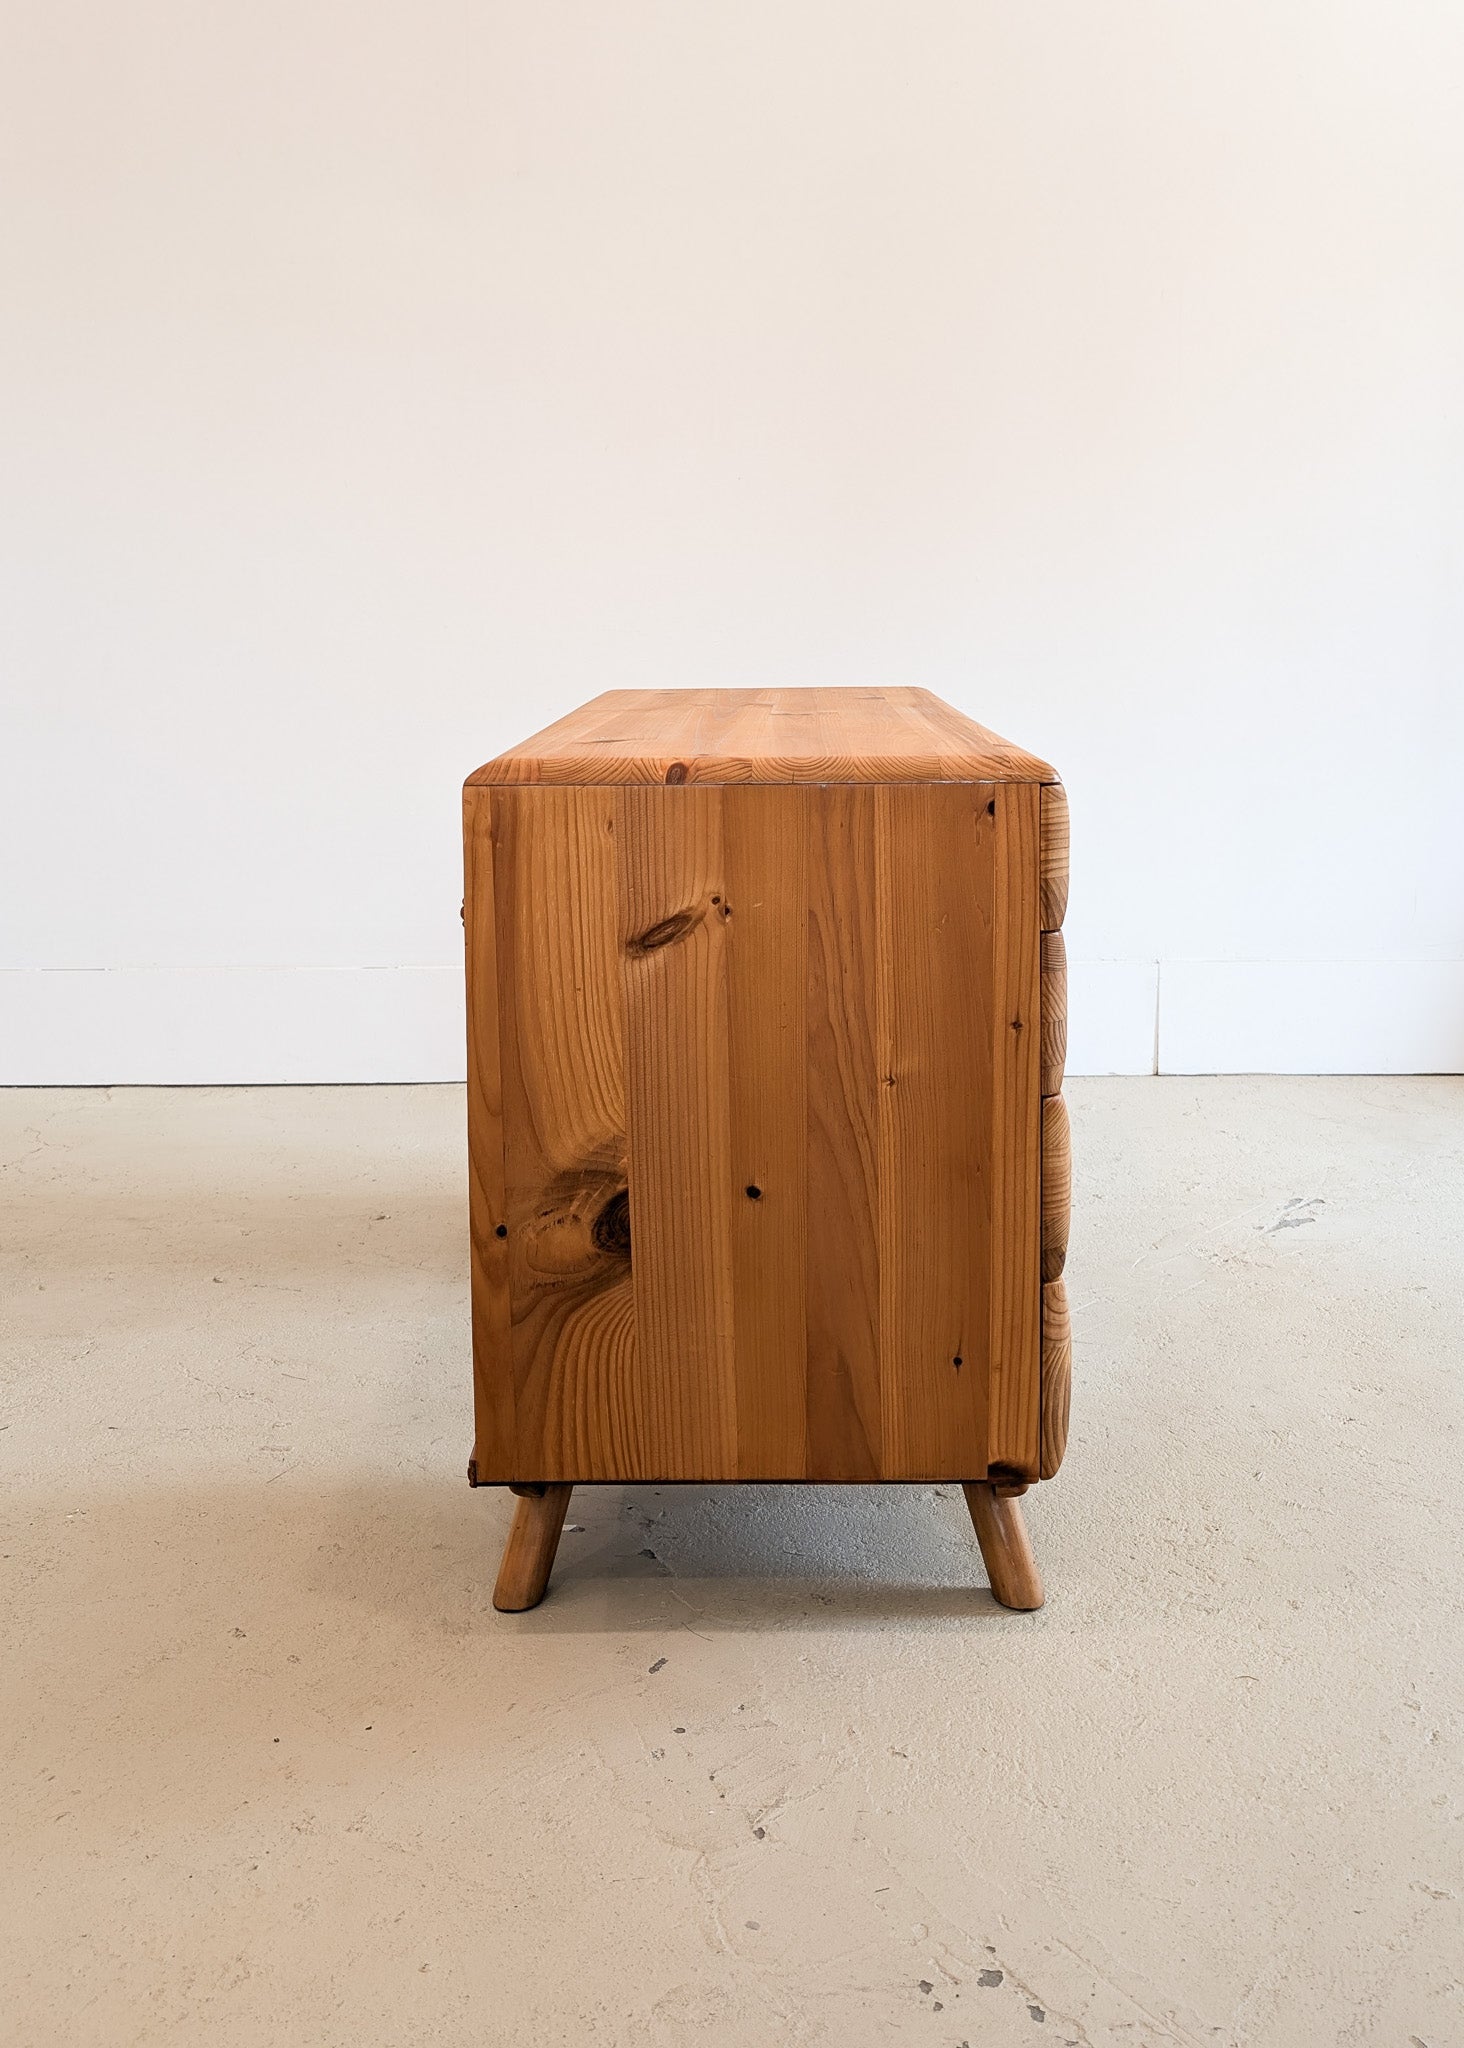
822,735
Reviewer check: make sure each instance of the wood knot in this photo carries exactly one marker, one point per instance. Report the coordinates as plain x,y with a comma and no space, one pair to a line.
676,772
666,933
611,1230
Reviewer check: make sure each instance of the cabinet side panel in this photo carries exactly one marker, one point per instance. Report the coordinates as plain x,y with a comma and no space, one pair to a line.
493,1403
673,944
564,1121
1016,1116
845,1429
765,935
935,863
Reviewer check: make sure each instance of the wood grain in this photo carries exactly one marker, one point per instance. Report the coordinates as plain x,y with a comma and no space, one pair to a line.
809,736
673,939
1057,1185
1012,1161
1054,1011
765,931
755,1122
492,1320
1055,837
845,1428
528,1556
563,1105
934,1023
1006,1548
1057,1375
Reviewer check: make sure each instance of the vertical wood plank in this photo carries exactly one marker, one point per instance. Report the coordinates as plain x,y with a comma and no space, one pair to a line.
493,1401
934,864
1014,1129
845,1428
669,864
765,937
574,1370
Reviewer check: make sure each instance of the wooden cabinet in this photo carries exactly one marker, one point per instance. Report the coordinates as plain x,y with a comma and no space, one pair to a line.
766,1022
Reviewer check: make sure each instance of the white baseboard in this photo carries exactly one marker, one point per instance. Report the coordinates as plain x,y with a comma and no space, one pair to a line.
1111,1009
188,1026
169,1026
1311,1017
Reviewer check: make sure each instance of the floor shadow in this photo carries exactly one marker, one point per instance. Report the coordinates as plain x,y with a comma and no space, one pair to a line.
751,1558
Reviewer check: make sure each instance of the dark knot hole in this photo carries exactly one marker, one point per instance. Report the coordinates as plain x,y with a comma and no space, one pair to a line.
612,1226
678,926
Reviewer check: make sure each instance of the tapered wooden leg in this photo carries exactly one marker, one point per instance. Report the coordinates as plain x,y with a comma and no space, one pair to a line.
528,1555
1006,1548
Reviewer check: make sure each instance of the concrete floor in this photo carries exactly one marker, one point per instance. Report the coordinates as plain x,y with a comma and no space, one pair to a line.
767,1767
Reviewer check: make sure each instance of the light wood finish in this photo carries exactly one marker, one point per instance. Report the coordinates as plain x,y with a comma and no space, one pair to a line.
1006,1548
1057,1185
1057,1375
766,1120
1054,856
764,736
1054,1011
528,1556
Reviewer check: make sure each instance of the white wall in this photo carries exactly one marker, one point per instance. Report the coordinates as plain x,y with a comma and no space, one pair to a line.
378,380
